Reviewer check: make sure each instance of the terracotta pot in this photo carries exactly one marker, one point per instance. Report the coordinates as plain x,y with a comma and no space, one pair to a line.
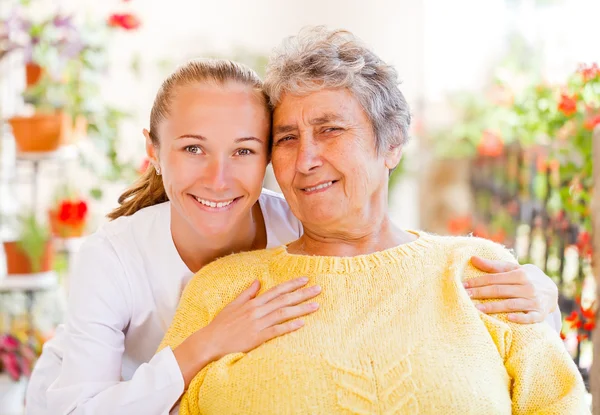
33,73
72,132
38,133
18,262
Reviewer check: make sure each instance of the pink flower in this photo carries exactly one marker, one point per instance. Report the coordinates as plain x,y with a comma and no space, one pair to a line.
8,343
11,365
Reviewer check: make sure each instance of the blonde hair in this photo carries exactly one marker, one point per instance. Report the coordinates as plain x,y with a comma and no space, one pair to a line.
149,190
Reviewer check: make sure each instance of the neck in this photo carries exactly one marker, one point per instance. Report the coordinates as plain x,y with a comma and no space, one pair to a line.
197,250
359,241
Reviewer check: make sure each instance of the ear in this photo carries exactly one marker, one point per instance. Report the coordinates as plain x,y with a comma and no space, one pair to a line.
151,150
393,156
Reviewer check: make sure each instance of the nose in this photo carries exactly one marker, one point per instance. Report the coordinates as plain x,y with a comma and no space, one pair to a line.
216,174
307,156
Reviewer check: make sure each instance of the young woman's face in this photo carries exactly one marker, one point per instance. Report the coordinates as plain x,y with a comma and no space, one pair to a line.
213,154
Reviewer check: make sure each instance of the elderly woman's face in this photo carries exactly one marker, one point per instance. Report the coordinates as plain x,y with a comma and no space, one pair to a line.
325,159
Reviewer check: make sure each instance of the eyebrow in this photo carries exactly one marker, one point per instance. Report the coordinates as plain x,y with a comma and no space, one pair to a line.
323,119
237,140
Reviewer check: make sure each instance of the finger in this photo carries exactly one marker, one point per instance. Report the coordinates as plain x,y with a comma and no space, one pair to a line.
492,265
495,291
515,277
248,294
280,289
289,299
280,329
281,315
508,306
526,318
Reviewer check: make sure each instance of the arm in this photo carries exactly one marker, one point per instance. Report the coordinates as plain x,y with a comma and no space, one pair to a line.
93,343
544,378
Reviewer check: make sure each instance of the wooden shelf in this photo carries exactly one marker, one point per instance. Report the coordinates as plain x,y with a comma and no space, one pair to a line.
68,152
30,282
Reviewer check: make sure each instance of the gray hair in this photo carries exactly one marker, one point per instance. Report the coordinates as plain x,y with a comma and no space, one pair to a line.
319,58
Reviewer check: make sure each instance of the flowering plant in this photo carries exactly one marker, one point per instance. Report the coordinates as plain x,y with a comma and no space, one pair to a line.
16,357
68,214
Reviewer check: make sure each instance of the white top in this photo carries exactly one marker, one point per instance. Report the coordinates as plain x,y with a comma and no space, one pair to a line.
126,283
127,280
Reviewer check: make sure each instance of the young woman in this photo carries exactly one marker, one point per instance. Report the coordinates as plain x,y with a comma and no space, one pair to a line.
201,199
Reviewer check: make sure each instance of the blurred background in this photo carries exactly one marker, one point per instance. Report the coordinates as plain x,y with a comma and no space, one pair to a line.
505,95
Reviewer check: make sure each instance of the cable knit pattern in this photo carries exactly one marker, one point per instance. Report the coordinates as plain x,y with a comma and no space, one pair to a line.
396,333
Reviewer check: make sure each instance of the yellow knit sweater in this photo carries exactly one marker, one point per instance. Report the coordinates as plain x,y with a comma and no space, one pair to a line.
396,333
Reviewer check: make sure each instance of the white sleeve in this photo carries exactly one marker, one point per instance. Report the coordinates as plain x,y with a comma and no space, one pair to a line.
554,319
100,304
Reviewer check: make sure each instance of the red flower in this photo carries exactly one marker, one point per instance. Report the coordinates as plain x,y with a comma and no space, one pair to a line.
567,105
459,225
589,72
589,326
72,212
125,21
64,211
499,236
562,335
581,337
584,244
81,209
490,145
591,122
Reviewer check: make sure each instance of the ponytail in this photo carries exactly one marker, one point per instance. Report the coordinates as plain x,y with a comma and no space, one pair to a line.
147,191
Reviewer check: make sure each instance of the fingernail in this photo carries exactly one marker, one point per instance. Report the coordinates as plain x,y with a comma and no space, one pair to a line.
316,289
313,306
480,307
304,279
299,323
470,293
466,284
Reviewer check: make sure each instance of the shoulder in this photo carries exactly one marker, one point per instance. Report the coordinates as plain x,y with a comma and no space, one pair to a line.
460,247
224,279
125,226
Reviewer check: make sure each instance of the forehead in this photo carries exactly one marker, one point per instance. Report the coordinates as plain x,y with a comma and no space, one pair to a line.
327,104
212,106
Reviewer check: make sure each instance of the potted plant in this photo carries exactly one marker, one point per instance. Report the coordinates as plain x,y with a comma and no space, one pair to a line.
32,252
16,361
68,215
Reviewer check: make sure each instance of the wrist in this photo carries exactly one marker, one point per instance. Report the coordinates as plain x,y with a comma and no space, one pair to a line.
193,355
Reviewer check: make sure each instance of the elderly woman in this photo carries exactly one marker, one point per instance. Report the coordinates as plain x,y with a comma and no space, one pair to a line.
339,124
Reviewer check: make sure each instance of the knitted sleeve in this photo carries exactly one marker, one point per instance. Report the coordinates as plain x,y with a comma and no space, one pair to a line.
544,378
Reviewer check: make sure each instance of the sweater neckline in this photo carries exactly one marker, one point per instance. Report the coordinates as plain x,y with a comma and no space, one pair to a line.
302,264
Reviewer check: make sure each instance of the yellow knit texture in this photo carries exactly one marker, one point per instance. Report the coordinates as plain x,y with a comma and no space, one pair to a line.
396,333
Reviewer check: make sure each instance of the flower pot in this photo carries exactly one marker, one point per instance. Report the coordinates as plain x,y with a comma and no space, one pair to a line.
33,73
12,395
37,133
73,131
18,262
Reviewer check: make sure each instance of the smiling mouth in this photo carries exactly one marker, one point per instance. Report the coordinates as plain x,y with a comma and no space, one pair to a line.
214,204
320,186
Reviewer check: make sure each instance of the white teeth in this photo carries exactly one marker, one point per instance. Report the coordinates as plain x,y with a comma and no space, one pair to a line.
214,204
321,186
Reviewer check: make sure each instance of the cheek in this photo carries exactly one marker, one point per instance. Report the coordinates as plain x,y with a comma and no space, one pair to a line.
252,174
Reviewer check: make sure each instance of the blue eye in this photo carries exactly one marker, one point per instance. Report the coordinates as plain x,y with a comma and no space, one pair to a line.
193,149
